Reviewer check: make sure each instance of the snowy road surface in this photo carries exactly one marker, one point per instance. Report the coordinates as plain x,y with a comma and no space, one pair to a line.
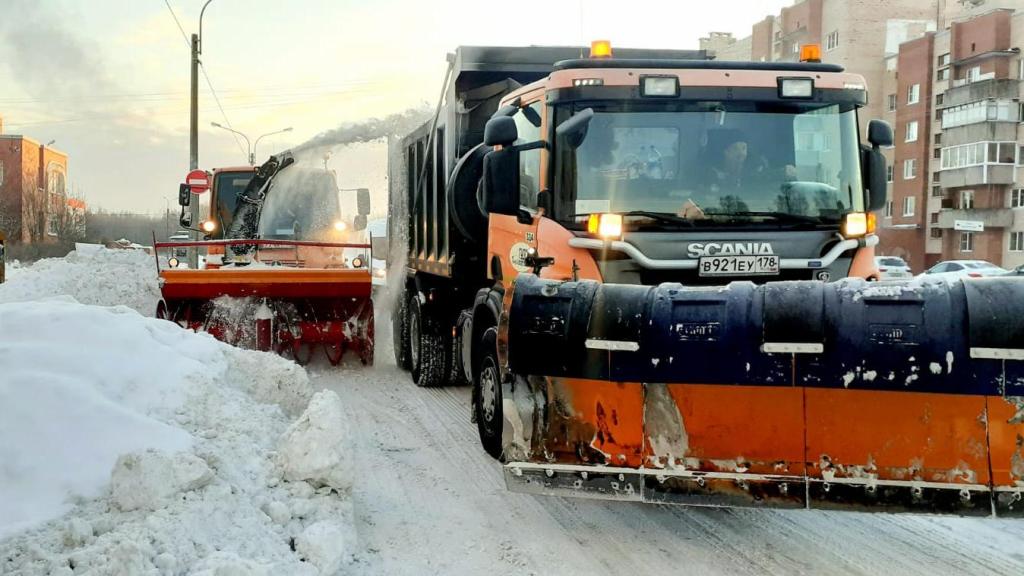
428,500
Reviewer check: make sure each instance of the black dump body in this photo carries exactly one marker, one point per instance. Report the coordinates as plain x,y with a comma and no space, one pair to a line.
434,205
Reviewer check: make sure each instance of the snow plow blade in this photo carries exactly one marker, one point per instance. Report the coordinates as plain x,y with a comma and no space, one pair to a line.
896,397
288,307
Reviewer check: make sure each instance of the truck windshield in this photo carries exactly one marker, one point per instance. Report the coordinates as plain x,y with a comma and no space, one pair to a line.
302,204
714,162
228,185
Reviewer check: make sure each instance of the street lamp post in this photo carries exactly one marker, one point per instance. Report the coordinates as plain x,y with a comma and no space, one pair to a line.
248,146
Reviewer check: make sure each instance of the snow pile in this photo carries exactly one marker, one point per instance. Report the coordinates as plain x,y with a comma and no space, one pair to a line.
131,446
96,276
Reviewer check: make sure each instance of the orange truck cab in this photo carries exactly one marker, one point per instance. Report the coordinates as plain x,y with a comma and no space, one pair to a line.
642,167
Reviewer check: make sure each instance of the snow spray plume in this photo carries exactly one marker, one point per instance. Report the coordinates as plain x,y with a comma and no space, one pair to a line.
395,125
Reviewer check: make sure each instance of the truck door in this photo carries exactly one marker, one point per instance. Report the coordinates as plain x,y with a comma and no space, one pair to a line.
510,239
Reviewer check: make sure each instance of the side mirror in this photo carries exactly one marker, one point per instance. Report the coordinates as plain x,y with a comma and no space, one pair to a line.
875,177
879,133
185,219
359,223
184,194
574,130
379,247
500,190
500,131
363,201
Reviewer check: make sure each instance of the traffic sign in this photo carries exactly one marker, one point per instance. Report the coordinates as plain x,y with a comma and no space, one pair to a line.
198,181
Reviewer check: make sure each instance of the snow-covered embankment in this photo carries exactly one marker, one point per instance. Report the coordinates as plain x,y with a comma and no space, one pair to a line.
129,445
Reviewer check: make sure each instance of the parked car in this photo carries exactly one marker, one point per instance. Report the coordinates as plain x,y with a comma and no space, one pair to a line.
1018,271
892,268
953,269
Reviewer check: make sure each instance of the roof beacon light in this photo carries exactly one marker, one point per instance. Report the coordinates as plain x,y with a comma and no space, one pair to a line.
810,53
601,49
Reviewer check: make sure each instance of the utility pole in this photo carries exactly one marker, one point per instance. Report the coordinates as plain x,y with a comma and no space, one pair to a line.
193,146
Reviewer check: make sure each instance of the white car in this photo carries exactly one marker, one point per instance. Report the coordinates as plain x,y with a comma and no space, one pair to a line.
951,270
892,268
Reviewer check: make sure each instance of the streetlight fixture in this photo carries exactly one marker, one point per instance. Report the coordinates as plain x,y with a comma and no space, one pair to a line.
251,148
252,155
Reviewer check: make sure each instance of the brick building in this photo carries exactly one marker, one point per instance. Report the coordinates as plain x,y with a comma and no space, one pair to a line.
34,204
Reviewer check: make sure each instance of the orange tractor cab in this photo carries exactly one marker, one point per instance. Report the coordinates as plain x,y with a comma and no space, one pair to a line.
280,273
657,271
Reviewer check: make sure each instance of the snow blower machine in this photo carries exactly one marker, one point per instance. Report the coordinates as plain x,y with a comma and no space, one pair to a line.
657,271
282,271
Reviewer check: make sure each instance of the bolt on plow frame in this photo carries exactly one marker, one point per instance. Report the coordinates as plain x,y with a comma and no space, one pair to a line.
289,308
896,397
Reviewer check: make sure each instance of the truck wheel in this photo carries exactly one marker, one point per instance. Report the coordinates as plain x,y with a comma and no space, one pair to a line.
400,332
487,396
429,347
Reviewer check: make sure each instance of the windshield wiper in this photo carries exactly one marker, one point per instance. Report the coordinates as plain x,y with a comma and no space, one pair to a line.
659,216
784,217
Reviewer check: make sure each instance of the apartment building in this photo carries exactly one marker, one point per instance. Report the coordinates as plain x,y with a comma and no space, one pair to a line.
963,197
33,189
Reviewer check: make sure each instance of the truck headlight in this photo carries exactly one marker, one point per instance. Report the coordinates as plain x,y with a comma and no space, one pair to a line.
340,226
209,226
857,224
607,226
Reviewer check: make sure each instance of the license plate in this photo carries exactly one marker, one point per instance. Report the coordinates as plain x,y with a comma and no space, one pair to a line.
737,265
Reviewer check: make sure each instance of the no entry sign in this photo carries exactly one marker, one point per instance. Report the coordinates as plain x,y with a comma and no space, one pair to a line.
198,181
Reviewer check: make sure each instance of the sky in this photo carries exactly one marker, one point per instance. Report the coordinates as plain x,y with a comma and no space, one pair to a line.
108,80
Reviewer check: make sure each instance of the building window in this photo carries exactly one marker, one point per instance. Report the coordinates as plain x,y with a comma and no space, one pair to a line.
978,153
942,74
973,74
892,102
939,99
888,209
908,205
934,217
937,191
1016,241
911,131
888,173
51,224
796,47
938,138
914,94
910,169
967,241
944,59
832,40
1017,198
966,199
936,177
937,153
936,232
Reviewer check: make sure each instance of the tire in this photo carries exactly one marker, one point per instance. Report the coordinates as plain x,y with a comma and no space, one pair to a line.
400,331
487,397
429,346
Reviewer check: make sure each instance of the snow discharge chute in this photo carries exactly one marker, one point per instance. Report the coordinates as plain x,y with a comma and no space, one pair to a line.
871,396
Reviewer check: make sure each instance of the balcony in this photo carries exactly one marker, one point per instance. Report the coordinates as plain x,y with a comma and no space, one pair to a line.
1003,88
991,218
979,175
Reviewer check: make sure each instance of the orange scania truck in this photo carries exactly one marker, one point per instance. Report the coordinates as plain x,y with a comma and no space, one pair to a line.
656,271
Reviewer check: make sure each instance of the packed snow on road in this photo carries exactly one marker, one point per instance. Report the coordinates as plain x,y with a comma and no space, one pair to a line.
132,446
